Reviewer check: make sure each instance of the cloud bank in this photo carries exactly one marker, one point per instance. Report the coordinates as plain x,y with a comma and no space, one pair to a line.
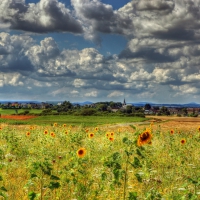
159,63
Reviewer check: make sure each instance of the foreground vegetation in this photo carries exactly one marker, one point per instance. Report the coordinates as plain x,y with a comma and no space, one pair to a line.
61,161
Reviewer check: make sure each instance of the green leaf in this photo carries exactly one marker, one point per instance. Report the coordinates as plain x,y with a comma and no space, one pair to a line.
116,156
3,195
54,177
139,153
132,196
3,188
54,185
136,163
139,178
33,175
32,195
103,176
1,178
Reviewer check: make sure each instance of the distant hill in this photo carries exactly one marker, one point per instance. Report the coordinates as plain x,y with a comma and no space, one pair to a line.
83,103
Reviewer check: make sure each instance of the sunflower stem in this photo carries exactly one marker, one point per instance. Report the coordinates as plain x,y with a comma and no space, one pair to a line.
126,177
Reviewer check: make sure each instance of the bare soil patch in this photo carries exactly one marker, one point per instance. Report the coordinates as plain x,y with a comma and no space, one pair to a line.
165,123
172,122
18,117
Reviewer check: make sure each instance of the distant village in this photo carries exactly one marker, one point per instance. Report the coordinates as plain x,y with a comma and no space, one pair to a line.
112,107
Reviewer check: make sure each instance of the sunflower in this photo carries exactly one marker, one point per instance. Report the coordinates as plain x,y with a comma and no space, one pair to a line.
199,128
96,129
171,131
66,132
91,135
111,138
144,138
112,134
53,134
55,124
28,133
64,125
86,130
0,128
183,141
107,134
45,132
81,152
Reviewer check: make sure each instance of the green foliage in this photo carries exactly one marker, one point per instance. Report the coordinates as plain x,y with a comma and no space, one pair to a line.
132,196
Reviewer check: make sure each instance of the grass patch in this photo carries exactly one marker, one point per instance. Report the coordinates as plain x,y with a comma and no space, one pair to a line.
76,120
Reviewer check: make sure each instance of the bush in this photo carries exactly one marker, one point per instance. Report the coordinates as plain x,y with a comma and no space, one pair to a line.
193,115
88,111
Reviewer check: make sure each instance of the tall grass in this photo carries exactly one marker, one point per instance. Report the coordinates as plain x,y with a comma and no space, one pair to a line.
61,161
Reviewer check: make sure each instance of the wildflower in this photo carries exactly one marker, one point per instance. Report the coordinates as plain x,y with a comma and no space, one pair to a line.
28,133
96,129
91,135
111,138
171,131
81,152
64,125
55,124
183,141
66,132
144,138
107,134
45,132
53,134
112,134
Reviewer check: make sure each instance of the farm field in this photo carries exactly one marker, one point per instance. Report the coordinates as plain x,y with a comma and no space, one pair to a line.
112,159
69,119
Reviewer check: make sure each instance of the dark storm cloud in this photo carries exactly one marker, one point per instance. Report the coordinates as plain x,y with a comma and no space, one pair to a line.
155,5
149,55
98,17
45,16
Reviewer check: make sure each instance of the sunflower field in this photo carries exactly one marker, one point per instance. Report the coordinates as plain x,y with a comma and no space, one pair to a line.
66,162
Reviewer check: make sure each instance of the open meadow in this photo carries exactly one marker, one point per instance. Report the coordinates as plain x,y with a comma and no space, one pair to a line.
88,158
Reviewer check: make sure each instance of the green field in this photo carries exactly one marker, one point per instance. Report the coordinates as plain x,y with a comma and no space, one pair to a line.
75,120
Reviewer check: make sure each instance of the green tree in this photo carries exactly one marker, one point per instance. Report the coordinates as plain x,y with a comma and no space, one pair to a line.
147,106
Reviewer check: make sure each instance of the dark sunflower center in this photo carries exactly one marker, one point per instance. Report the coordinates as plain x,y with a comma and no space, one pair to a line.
145,136
81,152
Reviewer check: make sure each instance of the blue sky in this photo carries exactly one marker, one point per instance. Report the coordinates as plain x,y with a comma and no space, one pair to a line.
94,50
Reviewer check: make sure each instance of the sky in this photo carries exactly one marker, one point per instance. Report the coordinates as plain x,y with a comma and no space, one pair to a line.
100,50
